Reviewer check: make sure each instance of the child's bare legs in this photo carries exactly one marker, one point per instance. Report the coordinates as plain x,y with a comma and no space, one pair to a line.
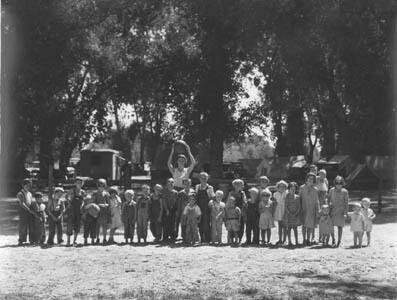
360,239
289,235
269,234
326,241
304,234
295,228
104,232
229,237
280,232
111,234
340,230
263,236
368,238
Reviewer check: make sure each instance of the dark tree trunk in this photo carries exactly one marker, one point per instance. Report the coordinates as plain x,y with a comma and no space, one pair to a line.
216,155
295,132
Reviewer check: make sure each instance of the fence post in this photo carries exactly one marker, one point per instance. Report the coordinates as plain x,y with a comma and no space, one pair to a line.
380,190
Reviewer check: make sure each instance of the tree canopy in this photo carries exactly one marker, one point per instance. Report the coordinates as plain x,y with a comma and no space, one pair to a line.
325,74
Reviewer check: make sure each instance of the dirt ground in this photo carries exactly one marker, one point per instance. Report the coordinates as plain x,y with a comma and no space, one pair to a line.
204,272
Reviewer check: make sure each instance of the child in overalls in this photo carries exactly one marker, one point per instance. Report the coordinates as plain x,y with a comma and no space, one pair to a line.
232,221
205,193
142,204
129,216
190,219
252,220
156,213
75,202
39,218
56,209
217,208
241,202
26,215
90,214
101,198
169,211
182,201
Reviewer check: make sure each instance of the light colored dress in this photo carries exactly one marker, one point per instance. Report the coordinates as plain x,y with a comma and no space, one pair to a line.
280,208
357,222
190,217
115,212
310,205
217,209
338,201
368,215
104,213
266,220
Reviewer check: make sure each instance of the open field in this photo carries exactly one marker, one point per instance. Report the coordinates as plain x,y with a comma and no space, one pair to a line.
209,272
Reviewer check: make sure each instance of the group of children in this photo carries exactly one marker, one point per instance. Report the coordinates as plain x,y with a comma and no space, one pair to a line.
199,213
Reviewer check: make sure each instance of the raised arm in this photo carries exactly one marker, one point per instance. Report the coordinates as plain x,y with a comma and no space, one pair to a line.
169,162
192,160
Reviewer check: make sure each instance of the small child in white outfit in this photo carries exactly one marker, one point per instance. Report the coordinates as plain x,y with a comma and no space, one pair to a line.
369,215
357,225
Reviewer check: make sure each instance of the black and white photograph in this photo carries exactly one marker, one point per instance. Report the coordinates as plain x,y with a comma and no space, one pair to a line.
198,149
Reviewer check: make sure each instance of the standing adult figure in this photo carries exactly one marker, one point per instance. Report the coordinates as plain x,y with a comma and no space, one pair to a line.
310,207
26,215
338,199
181,171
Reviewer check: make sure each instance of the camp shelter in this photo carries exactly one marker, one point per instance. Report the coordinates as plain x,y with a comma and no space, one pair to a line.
101,163
384,167
345,164
362,178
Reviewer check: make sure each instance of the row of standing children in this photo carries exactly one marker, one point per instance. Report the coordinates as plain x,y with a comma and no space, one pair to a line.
200,212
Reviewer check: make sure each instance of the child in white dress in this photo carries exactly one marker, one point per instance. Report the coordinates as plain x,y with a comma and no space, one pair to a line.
369,215
357,225
280,196
115,212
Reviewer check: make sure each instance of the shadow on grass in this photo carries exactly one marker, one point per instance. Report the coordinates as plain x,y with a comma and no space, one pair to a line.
344,288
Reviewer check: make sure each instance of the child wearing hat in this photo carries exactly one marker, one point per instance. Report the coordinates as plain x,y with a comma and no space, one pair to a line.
39,218
369,215
115,212
217,208
190,219
101,198
241,201
142,204
279,197
357,225
26,214
263,183
181,171
90,215
75,204
56,210
325,224
156,212
252,221
129,216
266,219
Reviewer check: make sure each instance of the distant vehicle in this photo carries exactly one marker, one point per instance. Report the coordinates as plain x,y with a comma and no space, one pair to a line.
233,170
33,169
